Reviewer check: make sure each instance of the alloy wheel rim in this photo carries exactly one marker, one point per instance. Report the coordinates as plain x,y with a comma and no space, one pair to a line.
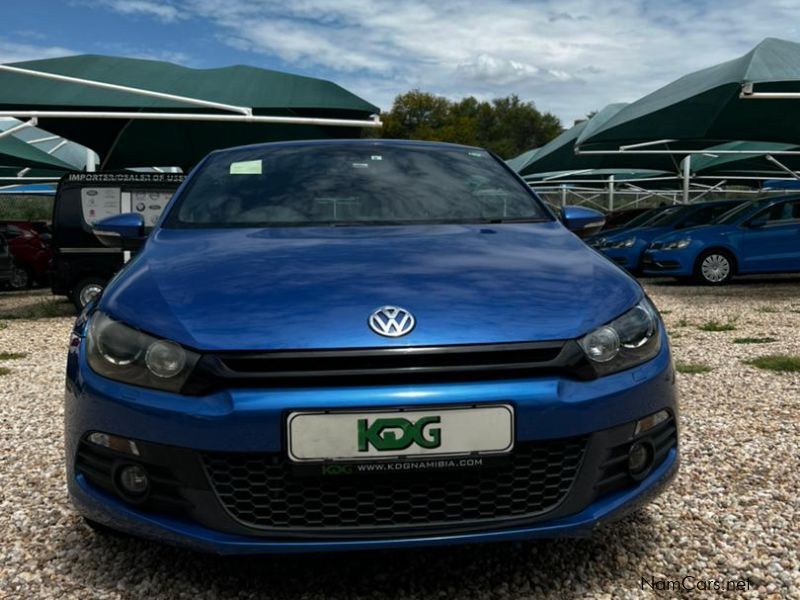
715,268
89,292
19,278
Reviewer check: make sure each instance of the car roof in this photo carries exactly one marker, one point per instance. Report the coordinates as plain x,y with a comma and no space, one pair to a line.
349,142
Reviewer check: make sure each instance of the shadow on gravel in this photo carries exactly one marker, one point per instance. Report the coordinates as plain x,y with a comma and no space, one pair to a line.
762,280
609,559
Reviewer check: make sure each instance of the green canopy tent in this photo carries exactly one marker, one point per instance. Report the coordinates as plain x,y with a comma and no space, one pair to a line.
19,155
718,104
715,162
559,153
518,162
141,112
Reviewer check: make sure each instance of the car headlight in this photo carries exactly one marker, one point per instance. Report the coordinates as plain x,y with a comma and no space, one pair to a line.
598,243
125,354
625,342
676,244
626,243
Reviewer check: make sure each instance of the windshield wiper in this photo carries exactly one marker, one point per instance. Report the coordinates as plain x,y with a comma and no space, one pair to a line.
516,220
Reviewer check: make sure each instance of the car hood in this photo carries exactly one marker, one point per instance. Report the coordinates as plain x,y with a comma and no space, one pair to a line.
643,234
700,232
296,288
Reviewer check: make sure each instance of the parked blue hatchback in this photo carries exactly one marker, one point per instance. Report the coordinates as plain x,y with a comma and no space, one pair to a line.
626,248
761,236
364,344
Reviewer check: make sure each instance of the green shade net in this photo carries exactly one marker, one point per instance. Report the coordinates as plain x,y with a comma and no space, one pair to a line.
559,154
704,108
16,153
741,165
131,143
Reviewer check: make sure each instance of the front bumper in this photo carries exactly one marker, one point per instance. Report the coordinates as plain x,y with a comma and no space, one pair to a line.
548,410
628,258
678,263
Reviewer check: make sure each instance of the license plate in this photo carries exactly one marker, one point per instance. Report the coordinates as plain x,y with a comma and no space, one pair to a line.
370,435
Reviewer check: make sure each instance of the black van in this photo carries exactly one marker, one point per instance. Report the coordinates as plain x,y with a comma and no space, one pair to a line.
81,264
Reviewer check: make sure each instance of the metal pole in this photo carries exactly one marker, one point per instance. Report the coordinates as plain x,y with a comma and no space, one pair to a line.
165,116
610,193
563,195
16,128
91,165
782,166
131,90
687,176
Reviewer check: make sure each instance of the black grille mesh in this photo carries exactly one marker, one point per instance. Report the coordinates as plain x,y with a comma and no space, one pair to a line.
261,491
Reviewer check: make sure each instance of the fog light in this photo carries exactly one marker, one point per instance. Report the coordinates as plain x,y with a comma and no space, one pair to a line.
133,481
640,459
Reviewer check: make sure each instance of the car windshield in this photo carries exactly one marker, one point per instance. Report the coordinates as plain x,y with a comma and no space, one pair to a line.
644,218
352,184
668,216
735,214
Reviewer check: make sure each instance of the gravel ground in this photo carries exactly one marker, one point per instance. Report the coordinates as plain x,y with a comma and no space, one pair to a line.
732,513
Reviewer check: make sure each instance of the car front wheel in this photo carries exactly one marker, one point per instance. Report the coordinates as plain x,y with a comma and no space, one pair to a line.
86,290
714,267
20,278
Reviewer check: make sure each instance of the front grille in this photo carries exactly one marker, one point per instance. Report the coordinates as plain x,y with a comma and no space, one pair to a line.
383,366
261,491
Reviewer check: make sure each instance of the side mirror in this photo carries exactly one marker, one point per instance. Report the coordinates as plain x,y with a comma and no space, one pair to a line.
757,223
583,221
124,231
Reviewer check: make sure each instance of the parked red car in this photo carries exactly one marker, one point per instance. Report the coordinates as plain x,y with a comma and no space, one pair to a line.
31,251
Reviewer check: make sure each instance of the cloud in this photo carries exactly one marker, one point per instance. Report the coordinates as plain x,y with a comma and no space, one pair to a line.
14,52
503,71
163,11
569,56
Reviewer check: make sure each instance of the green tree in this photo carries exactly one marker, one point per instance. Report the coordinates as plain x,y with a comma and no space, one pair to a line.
507,126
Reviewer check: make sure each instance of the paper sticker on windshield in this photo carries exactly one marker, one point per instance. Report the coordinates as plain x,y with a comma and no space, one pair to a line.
246,167
360,165
376,157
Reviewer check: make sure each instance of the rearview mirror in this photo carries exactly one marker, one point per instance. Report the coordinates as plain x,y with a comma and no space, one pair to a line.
582,221
124,231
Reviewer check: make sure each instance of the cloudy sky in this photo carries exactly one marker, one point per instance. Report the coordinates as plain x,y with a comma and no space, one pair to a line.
568,56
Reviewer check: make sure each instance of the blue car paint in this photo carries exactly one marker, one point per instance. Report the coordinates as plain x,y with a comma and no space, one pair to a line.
631,258
514,282
770,249
541,283
102,507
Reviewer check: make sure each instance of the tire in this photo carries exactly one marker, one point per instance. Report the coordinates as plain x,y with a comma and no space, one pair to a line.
21,278
85,290
714,267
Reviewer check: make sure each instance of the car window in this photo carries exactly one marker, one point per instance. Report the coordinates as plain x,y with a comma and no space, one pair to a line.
698,217
706,215
10,231
352,184
668,216
785,212
733,215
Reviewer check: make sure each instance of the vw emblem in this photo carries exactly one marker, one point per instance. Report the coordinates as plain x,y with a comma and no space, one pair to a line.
391,321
